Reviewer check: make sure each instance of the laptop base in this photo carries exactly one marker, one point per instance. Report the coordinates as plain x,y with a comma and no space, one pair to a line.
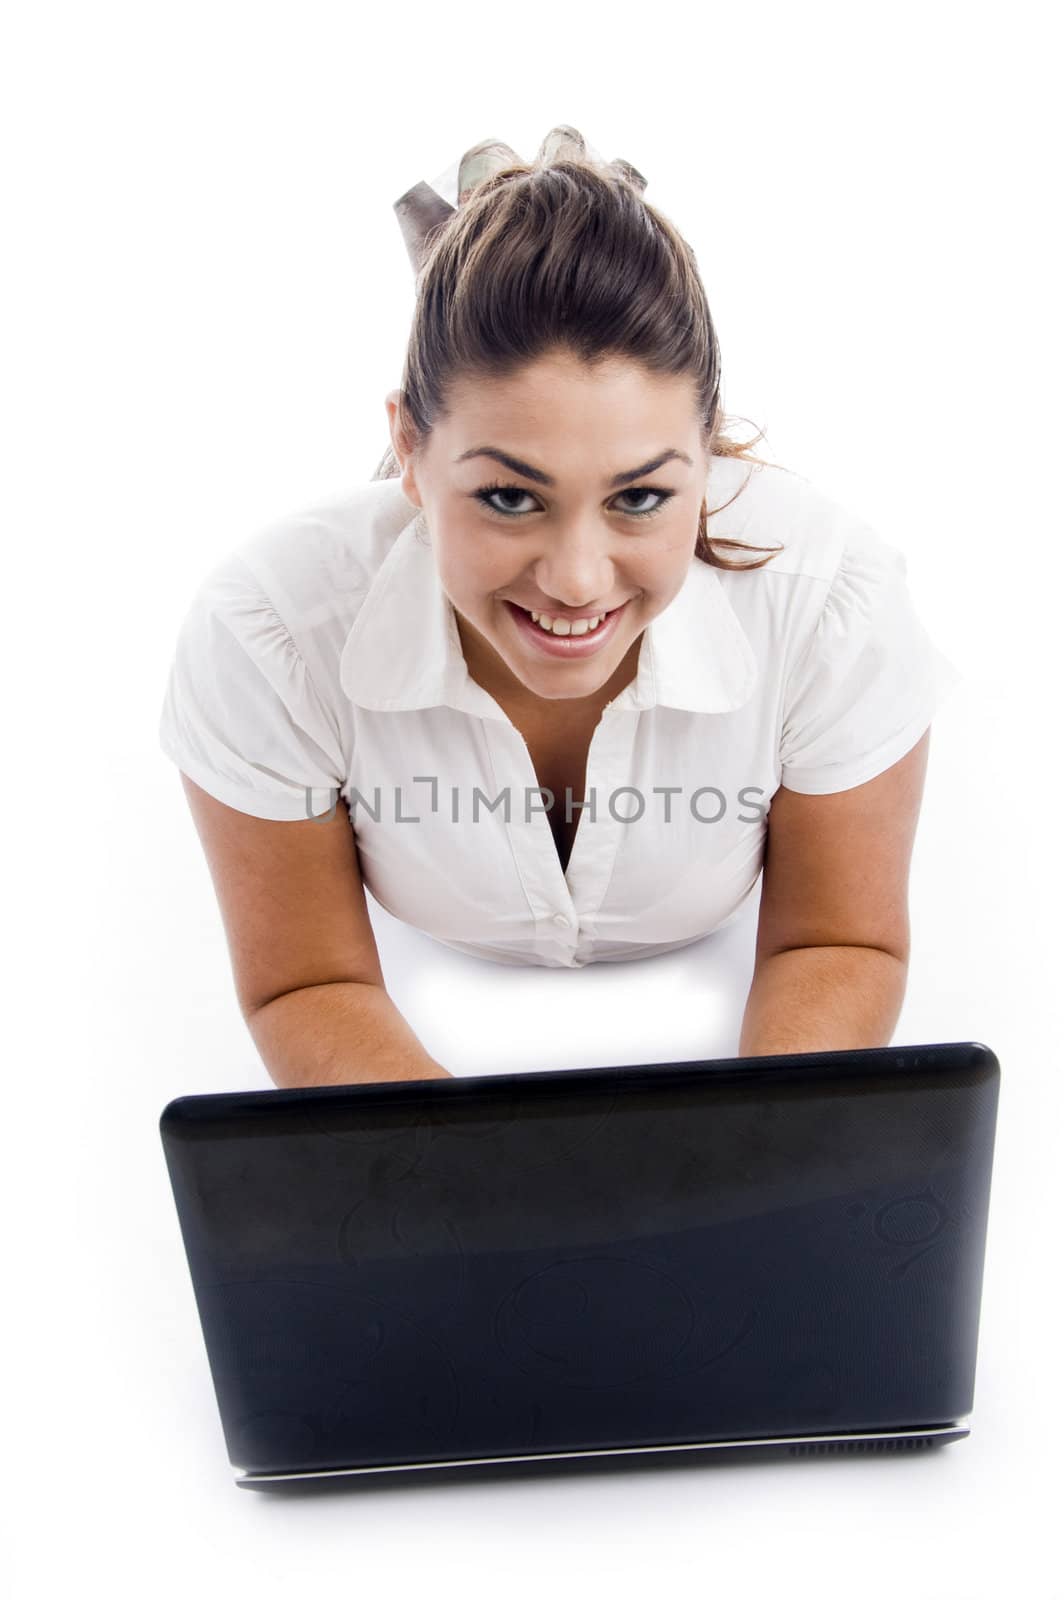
889,1441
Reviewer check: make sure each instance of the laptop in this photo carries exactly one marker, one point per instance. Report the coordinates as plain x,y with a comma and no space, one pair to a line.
780,1255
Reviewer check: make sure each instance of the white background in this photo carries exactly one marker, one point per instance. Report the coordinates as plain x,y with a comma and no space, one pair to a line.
206,300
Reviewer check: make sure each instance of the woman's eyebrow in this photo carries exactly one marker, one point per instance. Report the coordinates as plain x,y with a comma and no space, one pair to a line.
525,471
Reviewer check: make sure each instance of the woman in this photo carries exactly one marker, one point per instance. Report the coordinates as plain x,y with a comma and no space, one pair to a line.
514,686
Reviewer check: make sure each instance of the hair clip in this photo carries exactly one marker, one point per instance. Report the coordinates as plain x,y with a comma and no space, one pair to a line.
424,207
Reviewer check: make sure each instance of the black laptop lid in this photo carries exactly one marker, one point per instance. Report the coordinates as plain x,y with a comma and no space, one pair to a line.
607,1258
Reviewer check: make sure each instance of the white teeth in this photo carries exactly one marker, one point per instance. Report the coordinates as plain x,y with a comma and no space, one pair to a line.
558,626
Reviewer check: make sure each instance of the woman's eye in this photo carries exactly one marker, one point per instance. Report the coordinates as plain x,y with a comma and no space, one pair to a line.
488,493
663,495
487,496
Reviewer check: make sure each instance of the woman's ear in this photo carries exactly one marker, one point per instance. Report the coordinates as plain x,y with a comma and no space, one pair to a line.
402,447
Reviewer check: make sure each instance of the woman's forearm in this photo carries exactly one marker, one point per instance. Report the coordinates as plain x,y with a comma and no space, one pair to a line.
338,1033
823,997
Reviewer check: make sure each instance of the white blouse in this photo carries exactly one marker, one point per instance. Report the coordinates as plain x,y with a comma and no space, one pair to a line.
321,657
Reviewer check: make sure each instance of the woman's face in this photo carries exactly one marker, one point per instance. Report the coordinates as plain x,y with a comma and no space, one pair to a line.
584,517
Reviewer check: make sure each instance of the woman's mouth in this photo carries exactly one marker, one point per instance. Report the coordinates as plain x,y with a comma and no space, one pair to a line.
569,645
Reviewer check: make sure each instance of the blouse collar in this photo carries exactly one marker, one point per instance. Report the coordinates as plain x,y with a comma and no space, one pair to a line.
404,653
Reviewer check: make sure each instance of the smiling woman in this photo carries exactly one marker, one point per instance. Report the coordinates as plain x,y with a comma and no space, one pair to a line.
574,548
553,720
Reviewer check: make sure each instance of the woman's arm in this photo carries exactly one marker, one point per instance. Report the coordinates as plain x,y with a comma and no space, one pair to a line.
826,997
338,1033
832,952
305,962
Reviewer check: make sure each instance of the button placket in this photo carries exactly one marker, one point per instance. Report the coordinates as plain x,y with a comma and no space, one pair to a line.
532,843
559,900
609,767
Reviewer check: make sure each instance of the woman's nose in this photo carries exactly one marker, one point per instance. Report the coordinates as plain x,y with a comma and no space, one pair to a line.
576,570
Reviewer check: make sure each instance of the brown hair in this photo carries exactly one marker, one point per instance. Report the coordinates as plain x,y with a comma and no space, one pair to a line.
564,255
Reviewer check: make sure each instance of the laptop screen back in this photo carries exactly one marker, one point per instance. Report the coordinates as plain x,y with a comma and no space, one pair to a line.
600,1259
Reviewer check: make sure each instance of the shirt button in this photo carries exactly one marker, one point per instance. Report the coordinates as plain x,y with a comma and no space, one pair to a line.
560,920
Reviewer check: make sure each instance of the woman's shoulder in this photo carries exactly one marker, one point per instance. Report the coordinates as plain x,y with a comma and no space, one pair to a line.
318,562
290,592
833,572
762,503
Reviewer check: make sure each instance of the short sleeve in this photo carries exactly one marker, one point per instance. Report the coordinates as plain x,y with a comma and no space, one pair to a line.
868,682
241,715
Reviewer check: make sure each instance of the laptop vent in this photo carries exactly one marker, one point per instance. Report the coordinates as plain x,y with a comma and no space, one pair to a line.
847,1447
